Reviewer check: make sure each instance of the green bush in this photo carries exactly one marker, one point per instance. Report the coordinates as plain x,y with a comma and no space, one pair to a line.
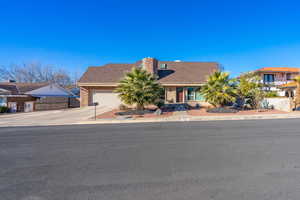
3,109
271,94
160,103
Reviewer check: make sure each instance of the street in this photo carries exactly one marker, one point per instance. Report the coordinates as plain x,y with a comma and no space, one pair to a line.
221,160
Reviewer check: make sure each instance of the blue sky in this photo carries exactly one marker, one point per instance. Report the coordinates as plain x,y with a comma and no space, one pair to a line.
241,35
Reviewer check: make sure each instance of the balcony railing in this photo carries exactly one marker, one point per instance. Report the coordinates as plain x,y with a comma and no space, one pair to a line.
276,82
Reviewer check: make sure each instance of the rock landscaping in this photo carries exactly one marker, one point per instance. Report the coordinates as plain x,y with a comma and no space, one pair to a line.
133,114
204,112
222,110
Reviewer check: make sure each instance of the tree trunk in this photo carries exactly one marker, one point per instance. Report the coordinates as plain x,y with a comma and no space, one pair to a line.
140,107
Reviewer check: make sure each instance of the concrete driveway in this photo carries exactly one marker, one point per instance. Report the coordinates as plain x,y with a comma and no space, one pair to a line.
54,117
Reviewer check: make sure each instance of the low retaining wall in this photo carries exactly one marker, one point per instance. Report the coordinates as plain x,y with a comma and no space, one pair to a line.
283,104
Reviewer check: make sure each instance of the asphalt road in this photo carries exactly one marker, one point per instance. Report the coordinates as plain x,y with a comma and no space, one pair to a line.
223,160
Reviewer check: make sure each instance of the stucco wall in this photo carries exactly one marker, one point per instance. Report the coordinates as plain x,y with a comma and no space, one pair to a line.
283,104
170,94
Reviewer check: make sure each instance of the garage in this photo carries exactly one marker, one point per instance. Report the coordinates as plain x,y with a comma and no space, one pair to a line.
106,98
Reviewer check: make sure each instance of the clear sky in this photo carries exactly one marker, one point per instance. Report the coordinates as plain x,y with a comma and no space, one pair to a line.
241,34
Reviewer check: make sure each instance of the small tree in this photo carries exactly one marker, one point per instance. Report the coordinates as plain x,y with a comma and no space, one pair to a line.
250,89
219,89
140,88
297,96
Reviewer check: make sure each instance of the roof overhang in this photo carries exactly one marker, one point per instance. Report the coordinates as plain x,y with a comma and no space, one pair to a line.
116,84
45,95
12,95
98,84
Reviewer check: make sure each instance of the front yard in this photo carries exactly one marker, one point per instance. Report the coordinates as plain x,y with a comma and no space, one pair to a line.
180,109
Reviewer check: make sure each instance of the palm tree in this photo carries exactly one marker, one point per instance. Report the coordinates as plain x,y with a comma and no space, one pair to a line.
139,88
297,97
219,89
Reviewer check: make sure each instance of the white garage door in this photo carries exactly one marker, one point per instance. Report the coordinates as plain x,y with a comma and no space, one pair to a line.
106,98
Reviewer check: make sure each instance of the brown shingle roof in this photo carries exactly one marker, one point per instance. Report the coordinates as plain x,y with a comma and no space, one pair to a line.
110,73
21,88
186,72
176,72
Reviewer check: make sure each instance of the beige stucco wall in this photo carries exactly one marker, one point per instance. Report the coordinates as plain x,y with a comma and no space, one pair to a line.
281,103
170,94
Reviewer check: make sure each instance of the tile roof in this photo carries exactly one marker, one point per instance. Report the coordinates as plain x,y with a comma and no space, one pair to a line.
20,88
288,85
176,72
279,69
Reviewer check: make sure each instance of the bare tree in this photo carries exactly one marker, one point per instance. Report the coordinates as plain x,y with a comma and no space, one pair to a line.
36,73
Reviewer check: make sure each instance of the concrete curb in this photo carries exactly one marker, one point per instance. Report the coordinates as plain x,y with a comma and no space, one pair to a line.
193,118
184,118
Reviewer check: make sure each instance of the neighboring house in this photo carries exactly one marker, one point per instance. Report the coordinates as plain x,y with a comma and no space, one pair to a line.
289,89
274,77
28,97
51,97
181,80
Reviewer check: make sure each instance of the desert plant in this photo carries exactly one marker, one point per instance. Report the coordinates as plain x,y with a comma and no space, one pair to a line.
271,94
139,88
219,89
250,90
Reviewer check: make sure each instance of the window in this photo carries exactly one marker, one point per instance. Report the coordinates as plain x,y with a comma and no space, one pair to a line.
269,78
288,76
193,94
163,66
2,101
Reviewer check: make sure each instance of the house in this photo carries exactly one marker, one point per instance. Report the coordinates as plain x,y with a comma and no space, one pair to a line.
27,97
274,77
181,80
13,95
289,89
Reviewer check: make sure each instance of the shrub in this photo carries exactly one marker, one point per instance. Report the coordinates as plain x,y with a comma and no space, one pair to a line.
160,103
123,107
3,109
271,94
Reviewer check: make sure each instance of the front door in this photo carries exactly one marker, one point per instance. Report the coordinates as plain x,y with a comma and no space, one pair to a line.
179,95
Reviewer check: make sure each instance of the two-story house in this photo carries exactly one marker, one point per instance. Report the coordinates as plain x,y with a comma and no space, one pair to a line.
274,77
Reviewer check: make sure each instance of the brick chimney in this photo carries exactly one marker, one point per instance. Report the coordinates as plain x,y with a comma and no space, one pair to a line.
150,65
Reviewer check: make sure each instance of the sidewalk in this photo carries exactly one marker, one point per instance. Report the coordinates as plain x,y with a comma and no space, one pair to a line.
183,116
